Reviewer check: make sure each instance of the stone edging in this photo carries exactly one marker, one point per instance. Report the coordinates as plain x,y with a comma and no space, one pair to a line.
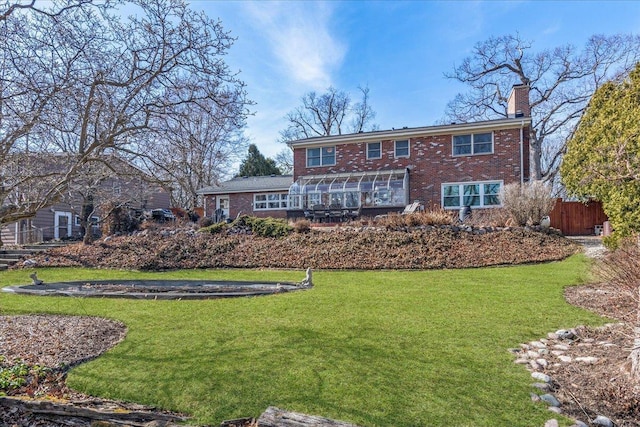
538,355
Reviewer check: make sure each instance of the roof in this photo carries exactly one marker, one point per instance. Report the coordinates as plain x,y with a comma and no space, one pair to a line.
250,184
380,135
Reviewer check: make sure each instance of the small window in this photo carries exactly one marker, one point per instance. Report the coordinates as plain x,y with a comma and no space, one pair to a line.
321,156
402,148
478,143
461,145
374,150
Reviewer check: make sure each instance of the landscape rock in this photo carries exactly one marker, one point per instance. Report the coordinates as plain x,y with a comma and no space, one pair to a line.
542,377
552,423
603,421
551,399
590,360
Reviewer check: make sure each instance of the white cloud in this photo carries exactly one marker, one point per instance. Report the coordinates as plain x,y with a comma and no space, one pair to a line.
299,35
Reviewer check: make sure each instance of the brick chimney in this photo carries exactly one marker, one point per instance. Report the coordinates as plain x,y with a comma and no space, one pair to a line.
518,104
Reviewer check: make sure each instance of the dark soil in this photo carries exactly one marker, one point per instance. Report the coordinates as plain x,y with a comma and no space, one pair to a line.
341,248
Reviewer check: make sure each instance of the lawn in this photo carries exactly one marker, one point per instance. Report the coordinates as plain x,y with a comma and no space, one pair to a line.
376,348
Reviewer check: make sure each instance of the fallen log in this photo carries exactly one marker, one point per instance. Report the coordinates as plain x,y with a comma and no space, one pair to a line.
69,410
275,417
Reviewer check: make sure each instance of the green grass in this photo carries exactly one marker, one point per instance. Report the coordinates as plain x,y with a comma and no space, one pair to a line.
376,348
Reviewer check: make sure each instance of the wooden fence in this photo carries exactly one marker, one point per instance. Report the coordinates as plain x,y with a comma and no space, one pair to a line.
577,218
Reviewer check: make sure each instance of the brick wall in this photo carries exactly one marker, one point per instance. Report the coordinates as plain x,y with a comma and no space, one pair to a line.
242,203
431,162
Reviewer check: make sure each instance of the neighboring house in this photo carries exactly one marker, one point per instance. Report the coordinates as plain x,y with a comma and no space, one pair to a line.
260,196
62,221
452,166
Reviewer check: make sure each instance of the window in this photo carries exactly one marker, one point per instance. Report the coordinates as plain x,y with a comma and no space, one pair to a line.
374,150
477,143
402,148
474,194
270,201
322,156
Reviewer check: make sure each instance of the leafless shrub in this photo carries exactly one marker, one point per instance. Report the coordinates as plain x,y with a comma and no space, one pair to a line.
527,203
436,216
622,268
495,217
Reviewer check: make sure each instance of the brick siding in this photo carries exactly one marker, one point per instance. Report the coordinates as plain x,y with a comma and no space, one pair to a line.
431,162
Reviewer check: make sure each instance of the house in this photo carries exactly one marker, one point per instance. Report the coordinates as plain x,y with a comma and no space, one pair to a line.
61,220
261,196
452,166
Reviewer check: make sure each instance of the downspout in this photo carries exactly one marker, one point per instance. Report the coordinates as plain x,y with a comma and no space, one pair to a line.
522,152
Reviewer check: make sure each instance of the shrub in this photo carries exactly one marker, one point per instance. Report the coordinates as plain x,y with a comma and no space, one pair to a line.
263,227
527,203
494,217
119,221
214,228
435,216
205,222
302,226
622,267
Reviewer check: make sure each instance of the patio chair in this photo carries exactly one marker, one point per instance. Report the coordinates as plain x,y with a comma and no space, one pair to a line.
409,209
352,214
319,213
335,212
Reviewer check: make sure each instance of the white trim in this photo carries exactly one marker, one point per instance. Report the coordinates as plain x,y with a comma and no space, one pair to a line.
56,224
321,156
461,193
395,149
283,198
221,197
367,150
472,153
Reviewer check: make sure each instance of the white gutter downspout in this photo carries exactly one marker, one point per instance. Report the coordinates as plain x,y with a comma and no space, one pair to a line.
522,152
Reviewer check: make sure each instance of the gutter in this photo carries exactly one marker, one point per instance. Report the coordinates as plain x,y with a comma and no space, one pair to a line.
376,136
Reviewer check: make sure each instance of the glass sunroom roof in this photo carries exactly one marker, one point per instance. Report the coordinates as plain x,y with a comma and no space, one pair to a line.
346,181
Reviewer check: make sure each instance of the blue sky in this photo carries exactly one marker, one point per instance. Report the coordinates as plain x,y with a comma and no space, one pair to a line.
399,49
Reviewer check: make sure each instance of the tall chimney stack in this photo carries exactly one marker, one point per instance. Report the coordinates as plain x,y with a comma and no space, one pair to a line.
518,104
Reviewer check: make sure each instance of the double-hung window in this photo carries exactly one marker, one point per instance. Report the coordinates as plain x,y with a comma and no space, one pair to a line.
474,194
402,148
321,156
477,143
374,150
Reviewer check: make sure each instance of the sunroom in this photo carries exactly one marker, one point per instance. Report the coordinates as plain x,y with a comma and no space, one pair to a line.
382,190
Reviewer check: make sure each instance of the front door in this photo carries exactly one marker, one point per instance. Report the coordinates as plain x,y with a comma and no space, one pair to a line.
222,203
62,225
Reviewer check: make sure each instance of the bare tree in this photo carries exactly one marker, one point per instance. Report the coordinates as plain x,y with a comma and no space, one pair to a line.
330,113
87,82
102,186
561,81
55,8
195,149
284,160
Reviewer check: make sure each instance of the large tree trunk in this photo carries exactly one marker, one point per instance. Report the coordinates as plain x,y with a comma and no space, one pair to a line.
535,158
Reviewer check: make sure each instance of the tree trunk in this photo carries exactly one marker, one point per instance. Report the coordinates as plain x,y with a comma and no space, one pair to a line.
535,158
